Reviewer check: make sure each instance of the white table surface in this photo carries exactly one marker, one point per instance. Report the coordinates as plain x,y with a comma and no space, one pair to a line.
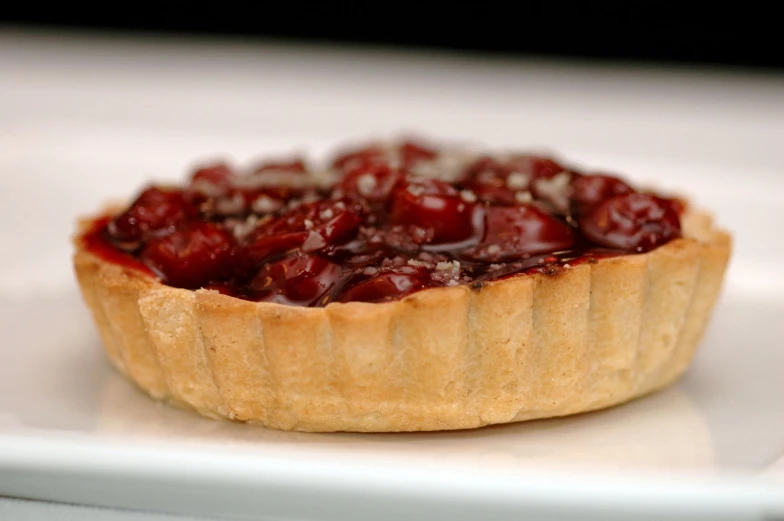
206,98
14,509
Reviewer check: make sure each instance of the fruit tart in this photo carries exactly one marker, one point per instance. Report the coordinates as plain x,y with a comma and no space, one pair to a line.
400,287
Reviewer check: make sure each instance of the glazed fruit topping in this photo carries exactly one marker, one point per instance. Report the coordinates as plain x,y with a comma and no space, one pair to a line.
154,212
517,230
191,256
309,227
635,222
379,223
299,279
388,283
450,218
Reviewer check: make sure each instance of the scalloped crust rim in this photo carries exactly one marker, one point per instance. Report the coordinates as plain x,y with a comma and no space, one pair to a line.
526,347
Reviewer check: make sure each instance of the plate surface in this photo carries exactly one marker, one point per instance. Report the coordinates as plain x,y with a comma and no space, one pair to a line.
83,121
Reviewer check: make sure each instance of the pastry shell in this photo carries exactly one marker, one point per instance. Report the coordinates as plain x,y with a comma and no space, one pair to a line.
532,346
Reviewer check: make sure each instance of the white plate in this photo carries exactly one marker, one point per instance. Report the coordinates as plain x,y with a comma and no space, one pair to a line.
81,122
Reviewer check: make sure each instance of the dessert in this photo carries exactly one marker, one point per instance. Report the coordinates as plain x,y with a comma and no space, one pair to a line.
401,287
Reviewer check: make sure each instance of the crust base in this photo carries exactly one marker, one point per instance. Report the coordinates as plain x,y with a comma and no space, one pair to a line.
532,346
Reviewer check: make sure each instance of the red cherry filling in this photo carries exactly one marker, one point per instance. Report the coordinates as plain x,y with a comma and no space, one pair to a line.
242,201
310,227
517,180
208,183
437,208
590,190
155,210
371,182
387,227
486,169
514,231
191,257
486,177
299,279
492,171
389,284
637,222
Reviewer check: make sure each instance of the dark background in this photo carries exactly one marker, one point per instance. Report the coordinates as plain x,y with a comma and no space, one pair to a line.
743,35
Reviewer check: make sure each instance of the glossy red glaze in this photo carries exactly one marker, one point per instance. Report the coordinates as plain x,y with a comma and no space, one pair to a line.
514,231
191,257
636,222
436,206
380,232
590,190
388,285
298,279
97,241
372,182
154,211
309,227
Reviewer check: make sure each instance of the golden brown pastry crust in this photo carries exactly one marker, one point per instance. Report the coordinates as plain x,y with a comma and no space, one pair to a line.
531,346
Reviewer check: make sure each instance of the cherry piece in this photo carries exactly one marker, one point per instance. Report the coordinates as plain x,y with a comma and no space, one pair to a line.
208,183
513,231
153,211
299,279
435,205
266,246
590,190
311,227
190,257
634,222
372,182
390,284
